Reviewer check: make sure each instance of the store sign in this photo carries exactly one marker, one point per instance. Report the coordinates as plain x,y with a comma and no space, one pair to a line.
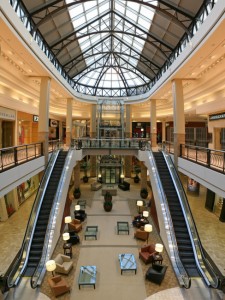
53,123
35,118
7,114
217,117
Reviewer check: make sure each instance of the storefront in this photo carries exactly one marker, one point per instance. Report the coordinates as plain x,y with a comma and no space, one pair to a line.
11,202
7,127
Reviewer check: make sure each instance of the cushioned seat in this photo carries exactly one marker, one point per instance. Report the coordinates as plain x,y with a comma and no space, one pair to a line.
80,215
156,273
141,234
75,225
125,186
74,238
63,264
146,253
58,285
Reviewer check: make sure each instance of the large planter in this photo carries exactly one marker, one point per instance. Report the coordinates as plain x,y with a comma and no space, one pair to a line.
144,193
85,179
77,193
136,179
107,206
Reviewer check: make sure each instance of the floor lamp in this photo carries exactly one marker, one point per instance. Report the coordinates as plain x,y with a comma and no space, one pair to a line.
148,229
68,220
51,266
139,204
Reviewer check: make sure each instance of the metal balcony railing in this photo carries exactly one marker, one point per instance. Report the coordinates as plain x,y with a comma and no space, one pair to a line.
13,156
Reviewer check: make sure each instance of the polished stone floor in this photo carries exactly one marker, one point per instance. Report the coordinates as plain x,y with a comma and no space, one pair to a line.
211,231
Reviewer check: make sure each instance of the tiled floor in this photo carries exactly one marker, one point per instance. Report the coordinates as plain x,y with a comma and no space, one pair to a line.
211,230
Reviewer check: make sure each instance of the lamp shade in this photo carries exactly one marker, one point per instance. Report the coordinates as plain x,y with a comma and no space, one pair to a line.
122,176
50,265
99,175
145,213
77,207
66,236
158,247
139,203
148,228
68,219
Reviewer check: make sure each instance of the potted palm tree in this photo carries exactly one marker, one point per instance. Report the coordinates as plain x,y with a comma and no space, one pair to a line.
144,193
77,193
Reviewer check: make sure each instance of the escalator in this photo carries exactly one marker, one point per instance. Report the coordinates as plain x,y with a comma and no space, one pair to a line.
37,243
183,239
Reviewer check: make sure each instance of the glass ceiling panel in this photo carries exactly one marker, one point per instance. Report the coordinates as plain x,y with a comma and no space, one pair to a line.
123,65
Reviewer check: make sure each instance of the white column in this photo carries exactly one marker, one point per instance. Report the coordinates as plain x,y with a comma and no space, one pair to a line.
163,131
178,117
69,114
153,124
43,123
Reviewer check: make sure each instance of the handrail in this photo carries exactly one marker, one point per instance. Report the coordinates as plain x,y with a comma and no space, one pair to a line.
205,267
116,143
210,158
39,273
18,268
13,156
178,267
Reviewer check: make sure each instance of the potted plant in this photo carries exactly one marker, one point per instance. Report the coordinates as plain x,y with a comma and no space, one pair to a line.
77,193
144,193
137,170
108,196
107,201
85,168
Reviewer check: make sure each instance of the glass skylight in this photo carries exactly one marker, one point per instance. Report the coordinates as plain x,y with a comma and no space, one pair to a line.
123,25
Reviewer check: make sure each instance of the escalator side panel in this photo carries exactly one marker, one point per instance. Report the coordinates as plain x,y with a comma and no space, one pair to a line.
42,222
180,228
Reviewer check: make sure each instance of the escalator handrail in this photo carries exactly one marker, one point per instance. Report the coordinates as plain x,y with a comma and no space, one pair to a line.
203,264
21,261
178,267
39,273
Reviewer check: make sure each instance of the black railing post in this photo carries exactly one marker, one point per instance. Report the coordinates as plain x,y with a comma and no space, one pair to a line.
42,149
15,156
208,157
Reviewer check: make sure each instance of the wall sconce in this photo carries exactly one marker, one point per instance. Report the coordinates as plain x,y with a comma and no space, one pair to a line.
139,204
51,266
122,177
148,229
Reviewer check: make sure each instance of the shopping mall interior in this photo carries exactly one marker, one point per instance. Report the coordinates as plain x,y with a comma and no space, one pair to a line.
112,139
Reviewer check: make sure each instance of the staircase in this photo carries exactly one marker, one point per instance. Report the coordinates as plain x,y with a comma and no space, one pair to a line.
180,227
42,222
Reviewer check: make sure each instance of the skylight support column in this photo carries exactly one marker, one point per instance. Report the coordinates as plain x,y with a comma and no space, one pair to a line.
178,117
153,123
43,123
69,121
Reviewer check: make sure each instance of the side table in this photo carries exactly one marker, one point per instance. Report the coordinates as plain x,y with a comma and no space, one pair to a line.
157,258
68,249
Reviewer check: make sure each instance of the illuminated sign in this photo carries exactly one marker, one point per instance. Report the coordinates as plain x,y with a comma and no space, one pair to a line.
217,117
